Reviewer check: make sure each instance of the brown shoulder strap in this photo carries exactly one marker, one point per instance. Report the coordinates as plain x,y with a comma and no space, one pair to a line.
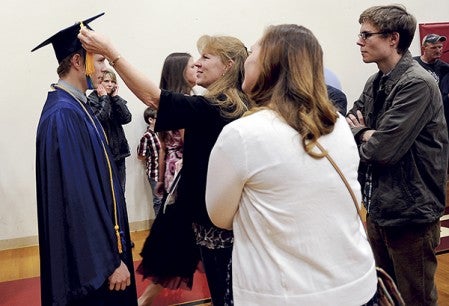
343,178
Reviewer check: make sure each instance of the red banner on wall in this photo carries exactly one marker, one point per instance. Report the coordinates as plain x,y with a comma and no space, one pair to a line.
440,28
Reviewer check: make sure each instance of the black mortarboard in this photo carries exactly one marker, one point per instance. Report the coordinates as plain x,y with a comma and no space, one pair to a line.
65,42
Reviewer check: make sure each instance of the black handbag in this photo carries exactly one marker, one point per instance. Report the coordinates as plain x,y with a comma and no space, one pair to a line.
387,291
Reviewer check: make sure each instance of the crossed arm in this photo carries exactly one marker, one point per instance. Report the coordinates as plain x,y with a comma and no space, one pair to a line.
359,122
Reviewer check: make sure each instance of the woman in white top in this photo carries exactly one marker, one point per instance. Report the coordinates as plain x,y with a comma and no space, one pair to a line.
298,239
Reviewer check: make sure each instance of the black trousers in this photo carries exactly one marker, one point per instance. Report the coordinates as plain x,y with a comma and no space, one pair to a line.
216,265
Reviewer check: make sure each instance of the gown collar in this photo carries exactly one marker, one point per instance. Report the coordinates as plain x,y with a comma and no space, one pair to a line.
73,90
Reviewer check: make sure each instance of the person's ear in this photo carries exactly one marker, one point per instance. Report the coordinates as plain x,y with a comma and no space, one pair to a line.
77,61
229,64
394,38
227,67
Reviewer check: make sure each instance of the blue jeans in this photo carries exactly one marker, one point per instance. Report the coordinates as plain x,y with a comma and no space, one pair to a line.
407,254
157,201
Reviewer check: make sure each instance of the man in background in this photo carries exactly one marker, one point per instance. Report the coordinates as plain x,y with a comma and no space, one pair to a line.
339,99
399,125
432,50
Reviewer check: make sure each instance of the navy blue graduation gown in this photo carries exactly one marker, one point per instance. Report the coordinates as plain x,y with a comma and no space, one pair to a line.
77,241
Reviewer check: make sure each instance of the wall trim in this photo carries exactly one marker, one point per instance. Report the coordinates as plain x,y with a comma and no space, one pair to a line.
23,242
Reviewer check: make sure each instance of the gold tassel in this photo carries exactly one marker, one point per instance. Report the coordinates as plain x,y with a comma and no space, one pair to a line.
119,240
90,68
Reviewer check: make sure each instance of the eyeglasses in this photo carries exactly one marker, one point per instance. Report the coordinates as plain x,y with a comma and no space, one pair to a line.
366,35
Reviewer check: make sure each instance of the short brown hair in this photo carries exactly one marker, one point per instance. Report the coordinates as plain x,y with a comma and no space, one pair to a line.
64,65
149,113
389,19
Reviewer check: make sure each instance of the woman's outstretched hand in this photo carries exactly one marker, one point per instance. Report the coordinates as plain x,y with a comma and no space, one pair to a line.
97,43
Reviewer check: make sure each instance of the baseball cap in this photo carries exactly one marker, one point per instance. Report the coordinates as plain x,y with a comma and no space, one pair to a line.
433,38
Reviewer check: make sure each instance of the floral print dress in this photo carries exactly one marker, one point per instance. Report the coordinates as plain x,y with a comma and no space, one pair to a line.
173,156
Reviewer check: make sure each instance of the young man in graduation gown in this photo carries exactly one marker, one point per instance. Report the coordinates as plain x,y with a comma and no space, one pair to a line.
84,242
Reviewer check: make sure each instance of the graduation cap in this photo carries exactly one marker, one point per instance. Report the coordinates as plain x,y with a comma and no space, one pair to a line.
65,42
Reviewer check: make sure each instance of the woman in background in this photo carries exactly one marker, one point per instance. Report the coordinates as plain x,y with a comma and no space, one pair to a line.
298,237
112,112
178,75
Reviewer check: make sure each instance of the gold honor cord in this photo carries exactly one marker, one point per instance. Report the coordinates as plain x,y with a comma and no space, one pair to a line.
116,226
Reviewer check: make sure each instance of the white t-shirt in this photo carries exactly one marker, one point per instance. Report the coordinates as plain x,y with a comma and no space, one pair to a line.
297,237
